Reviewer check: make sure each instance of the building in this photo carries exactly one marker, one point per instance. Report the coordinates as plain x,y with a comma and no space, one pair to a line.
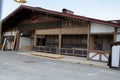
35,28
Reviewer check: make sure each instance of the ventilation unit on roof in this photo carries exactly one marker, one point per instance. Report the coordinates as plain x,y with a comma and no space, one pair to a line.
66,11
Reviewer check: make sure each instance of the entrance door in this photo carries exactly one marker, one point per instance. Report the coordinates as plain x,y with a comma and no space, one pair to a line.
41,41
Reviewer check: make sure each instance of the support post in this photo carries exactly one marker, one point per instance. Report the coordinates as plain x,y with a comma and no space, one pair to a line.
60,38
115,35
35,38
88,41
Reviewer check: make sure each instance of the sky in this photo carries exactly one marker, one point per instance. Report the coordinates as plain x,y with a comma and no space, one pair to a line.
99,9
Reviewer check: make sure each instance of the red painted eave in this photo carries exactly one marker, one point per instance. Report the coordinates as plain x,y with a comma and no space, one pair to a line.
63,15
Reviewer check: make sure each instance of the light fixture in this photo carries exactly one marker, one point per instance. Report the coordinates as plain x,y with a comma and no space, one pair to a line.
20,1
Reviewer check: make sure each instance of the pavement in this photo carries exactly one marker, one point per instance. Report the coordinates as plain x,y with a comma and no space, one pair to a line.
23,66
72,59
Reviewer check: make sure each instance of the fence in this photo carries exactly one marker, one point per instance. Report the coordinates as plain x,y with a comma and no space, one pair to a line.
63,51
46,49
74,51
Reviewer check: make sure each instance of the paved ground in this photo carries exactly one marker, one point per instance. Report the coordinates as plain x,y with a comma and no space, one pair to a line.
21,67
73,59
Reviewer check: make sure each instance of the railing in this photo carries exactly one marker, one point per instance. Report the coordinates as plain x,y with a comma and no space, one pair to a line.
98,55
46,49
63,51
74,51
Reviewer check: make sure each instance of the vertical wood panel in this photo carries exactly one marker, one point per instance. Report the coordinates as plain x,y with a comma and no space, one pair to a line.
60,42
115,35
88,40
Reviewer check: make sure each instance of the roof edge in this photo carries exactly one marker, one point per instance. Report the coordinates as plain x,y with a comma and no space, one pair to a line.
63,14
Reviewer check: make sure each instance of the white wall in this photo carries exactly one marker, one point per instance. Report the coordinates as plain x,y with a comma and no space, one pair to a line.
100,28
117,37
24,41
9,33
97,57
94,58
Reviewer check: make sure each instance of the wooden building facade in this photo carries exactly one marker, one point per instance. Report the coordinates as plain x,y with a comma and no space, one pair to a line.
38,29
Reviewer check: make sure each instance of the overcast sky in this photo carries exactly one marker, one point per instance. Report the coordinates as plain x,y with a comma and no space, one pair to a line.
100,9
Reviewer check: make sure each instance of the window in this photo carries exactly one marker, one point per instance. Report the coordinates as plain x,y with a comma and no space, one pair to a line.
74,41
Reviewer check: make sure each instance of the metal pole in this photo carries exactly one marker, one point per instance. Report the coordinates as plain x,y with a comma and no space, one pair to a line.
0,21
0,8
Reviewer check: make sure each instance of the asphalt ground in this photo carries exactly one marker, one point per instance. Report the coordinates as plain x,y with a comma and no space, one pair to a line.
15,66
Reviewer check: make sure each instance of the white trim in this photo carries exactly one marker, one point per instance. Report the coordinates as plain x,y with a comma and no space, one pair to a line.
100,28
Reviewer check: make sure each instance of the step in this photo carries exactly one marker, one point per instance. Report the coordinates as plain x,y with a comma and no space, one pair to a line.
49,55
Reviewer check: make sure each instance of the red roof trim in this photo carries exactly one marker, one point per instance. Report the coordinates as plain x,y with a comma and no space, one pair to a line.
66,15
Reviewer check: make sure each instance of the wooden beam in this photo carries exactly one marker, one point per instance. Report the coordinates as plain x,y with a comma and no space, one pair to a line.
93,56
14,41
35,36
88,41
115,34
60,42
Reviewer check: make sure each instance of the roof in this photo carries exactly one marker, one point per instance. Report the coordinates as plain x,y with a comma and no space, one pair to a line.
17,15
115,21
